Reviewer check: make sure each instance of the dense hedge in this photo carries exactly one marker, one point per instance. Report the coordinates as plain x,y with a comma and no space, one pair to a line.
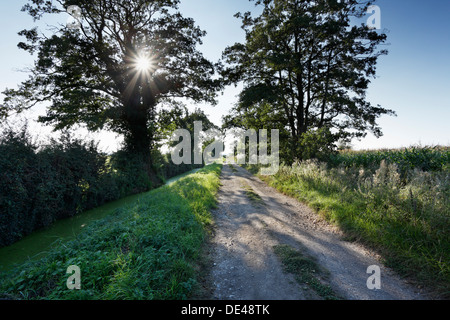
167,169
41,184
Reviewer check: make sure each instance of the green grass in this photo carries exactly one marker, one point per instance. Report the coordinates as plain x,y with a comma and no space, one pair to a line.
407,220
148,250
306,271
251,194
233,168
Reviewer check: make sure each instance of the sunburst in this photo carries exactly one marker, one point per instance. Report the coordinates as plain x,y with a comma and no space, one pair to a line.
144,64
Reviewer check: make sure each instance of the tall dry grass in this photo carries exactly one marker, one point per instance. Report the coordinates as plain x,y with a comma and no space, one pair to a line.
403,213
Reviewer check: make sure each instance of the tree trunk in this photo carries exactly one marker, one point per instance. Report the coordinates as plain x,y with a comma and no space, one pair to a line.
138,139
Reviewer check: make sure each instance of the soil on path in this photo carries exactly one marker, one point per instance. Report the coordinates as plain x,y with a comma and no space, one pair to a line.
252,218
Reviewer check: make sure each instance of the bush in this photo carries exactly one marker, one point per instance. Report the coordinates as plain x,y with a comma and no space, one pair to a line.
166,169
18,180
130,173
70,170
39,185
317,144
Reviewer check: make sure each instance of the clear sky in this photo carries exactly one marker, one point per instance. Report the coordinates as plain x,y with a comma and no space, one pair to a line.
413,80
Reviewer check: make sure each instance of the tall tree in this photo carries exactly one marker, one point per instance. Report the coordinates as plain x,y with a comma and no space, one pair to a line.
114,68
306,60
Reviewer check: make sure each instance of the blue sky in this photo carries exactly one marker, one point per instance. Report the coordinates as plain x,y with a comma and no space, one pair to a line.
413,80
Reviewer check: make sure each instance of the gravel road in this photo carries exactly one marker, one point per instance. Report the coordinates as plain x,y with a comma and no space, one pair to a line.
252,218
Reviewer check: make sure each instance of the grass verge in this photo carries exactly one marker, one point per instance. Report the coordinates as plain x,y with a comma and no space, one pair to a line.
148,250
406,221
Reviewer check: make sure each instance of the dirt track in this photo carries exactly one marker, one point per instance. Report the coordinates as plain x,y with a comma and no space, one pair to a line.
245,267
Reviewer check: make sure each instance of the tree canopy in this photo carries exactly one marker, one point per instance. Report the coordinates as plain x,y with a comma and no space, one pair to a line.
115,68
306,67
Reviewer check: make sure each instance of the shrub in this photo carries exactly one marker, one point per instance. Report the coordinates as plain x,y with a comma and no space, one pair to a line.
166,169
70,172
18,181
317,144
39,185
130,173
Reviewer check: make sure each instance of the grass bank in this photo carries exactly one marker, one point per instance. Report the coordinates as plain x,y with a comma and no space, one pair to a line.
147,250
405,217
